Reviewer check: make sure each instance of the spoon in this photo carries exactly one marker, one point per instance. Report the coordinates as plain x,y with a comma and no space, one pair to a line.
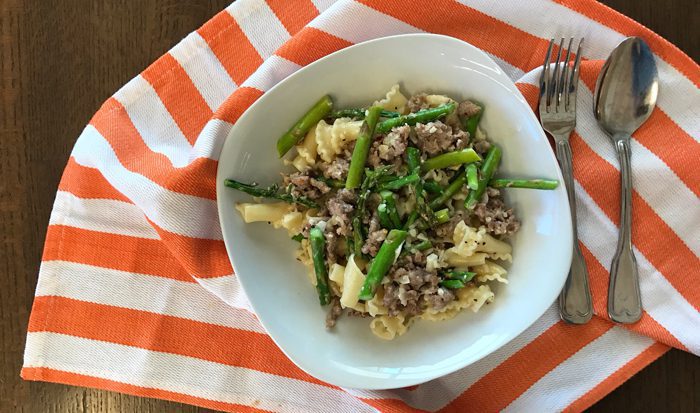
625,96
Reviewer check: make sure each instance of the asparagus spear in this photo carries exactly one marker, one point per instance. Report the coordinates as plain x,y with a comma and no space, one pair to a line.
422,246
359,154
451,159
524,183
432,187
388,252
422,116
442,216
400,182
390,202
463,276
372,177
333,183
493,157
384,218
452,284
469,124
270,192
450,191
359,113
318,252
299,130
472,177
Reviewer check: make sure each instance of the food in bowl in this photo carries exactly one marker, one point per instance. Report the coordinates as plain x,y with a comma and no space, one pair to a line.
395,208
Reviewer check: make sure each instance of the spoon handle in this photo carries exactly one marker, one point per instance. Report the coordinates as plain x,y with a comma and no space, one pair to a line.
575,304
624,298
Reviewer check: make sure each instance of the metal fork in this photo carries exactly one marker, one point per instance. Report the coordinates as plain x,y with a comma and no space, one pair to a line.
558,117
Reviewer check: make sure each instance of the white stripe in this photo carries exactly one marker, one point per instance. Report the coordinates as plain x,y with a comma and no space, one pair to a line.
206,71
228,289
659,298
454,384
153,121
103,215
271,72
140,292
260,25
344,18
322,5
653,180
211,139
678,96
581,372
165,208
182,374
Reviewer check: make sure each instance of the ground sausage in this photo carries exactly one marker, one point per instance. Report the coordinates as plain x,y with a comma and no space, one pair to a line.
434,138
495,216
306,185
341,207
338,169
334,312
389,147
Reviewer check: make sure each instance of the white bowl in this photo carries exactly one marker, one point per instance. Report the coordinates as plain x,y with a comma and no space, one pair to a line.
276,284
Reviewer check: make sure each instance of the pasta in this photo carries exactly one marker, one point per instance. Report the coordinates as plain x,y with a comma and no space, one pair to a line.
353,278
332,139
490,271
387,327
394,101
372,234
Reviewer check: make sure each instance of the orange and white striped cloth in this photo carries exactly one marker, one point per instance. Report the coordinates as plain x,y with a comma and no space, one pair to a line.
136,293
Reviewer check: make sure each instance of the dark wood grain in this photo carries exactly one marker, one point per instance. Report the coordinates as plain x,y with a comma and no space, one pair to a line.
59,60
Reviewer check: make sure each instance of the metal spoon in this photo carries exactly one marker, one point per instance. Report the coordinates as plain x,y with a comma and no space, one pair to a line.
624,98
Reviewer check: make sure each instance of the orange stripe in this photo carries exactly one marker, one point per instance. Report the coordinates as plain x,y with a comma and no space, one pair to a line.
237,103
117,252
203,258
114,124
531,94
680,157
651,235
231,46
179,95
471,25
628,27
86,182
617,378
309,45
168,334
510,379
647,325
74,379
293,15
391,406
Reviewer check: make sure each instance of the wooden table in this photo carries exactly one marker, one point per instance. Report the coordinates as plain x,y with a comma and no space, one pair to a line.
60,60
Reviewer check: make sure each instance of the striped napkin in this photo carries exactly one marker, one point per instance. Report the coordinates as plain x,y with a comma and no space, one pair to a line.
136,293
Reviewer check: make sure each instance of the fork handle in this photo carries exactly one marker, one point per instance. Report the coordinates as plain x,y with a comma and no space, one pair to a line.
575,303
624,298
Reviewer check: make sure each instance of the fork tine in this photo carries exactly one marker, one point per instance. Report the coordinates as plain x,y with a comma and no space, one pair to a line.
573,82
544,77
563,84
553,97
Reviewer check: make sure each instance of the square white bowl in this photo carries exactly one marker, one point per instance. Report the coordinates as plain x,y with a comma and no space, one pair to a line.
277,285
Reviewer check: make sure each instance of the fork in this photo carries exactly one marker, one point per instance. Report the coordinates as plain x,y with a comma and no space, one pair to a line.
558,89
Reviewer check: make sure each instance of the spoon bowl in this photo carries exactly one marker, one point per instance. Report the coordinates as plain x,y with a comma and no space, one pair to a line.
627,88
